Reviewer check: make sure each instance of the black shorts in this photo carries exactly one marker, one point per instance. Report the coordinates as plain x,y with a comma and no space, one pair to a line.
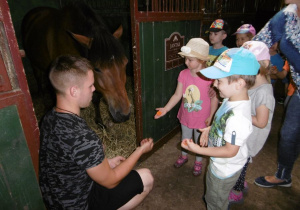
111,199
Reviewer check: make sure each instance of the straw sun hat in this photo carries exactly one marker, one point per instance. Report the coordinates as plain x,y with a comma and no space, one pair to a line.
197,48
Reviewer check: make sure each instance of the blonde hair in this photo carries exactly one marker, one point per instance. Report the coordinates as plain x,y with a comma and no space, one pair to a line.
264,69
203,62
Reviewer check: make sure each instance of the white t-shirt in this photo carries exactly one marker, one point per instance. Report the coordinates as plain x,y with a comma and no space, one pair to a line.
232,123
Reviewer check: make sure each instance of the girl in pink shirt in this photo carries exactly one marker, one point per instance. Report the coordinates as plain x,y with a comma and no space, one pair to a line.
197,108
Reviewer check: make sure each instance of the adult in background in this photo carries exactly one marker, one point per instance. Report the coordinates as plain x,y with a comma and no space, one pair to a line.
74,172
285,27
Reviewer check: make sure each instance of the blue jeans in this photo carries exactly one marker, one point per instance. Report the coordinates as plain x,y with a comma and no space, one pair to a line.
289,144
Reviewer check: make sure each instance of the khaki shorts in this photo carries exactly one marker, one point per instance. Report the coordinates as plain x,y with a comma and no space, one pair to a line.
217,190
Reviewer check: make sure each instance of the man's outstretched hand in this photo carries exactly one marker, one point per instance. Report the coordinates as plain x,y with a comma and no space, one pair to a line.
146,145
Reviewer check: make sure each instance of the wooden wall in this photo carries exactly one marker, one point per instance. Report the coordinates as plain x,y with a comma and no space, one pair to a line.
157,84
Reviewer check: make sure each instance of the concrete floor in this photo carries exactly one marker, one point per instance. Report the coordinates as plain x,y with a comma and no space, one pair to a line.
179,189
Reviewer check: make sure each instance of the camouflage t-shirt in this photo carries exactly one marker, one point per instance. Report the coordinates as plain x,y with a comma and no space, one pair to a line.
68,147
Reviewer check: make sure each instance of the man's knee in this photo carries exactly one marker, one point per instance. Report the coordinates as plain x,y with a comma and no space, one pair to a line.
147,178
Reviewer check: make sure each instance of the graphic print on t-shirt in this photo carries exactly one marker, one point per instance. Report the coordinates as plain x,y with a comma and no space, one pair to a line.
212,59
217,130
191,99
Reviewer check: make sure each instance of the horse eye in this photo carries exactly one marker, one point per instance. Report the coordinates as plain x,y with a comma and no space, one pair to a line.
96,69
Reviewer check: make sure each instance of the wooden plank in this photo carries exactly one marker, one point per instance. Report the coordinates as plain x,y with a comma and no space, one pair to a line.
13,64
18,184
159,16
135,25
4,79
147,64
159,85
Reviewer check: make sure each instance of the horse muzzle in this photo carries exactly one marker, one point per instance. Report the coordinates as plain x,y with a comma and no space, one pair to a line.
119,116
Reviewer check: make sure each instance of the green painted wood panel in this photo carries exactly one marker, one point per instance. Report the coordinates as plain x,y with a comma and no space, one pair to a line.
157,84
18,184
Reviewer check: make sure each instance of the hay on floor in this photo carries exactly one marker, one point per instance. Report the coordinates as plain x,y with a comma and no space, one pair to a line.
118,138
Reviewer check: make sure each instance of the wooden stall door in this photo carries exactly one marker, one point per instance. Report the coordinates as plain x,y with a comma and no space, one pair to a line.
153,26
152,22
18,126
157,83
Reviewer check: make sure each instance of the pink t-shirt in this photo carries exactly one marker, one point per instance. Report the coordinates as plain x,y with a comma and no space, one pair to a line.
195,105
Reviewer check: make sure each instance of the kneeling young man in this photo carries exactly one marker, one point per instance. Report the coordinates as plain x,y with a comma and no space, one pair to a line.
74,172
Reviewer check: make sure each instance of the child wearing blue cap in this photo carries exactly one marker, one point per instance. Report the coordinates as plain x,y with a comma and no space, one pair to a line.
262,109
234,72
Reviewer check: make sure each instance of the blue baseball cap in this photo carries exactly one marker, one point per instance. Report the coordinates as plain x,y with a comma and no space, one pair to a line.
233,61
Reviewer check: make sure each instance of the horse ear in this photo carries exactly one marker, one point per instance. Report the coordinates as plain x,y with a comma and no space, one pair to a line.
84,40
118,33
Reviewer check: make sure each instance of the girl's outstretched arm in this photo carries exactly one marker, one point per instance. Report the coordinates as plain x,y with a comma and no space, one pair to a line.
172,102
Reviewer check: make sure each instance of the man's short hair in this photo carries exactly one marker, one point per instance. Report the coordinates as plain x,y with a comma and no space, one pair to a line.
68,70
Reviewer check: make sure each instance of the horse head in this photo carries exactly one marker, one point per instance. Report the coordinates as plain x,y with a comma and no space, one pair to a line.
109,61
77,30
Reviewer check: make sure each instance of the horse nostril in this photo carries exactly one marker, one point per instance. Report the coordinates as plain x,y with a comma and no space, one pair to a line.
119,116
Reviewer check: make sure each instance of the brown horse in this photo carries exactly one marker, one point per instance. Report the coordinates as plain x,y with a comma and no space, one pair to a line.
77,30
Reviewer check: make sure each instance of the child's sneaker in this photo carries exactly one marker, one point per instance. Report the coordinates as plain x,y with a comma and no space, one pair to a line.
180,161
235,198
197,168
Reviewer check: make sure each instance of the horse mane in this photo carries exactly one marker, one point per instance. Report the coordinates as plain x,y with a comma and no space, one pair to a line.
105,45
